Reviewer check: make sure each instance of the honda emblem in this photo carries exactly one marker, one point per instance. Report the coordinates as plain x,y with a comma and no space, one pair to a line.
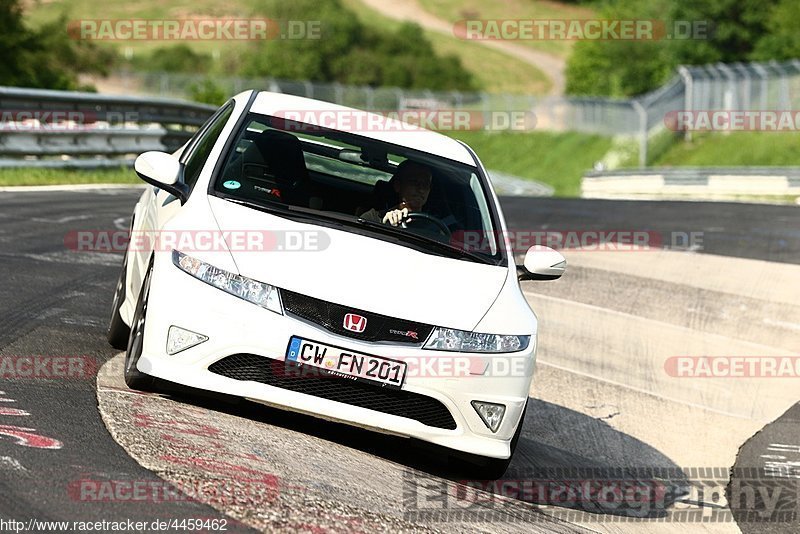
355,323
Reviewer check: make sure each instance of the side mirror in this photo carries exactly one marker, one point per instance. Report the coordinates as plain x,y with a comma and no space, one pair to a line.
542,263
163,171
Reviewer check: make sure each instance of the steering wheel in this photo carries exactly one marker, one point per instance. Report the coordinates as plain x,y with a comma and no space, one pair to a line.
443,229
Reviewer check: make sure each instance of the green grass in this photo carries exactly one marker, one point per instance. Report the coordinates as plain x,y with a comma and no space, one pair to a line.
455,10
40,12
556,159
559,160
734,149
495,72
35,176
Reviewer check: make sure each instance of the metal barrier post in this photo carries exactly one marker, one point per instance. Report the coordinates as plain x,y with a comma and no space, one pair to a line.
642,132
783,92
688,96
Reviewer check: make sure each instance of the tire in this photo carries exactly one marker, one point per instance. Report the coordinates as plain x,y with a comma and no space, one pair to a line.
118,332
481,468
134,378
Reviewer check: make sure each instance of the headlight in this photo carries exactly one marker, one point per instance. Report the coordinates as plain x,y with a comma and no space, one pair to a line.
461,341
258,293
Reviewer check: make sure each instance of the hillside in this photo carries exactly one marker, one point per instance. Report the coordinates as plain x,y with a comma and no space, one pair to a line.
494,70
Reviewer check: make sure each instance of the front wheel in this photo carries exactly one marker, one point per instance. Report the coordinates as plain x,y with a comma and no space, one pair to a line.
118,332
134,378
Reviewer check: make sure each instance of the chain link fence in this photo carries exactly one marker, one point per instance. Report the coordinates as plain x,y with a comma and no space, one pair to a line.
647,118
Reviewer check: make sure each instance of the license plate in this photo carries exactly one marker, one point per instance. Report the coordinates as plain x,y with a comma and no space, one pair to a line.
345,363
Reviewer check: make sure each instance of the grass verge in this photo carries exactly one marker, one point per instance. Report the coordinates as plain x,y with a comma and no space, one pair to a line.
556,159
559,160
36,176
732,150
495,72
456,10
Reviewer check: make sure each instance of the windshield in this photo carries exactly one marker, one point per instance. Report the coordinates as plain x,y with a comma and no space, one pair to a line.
382,189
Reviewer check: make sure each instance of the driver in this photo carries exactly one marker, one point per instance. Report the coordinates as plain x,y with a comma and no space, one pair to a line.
412,183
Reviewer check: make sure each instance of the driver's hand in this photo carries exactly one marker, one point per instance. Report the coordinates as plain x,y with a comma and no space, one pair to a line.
395,217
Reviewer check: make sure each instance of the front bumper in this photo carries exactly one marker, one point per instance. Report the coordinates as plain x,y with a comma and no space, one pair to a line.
235,326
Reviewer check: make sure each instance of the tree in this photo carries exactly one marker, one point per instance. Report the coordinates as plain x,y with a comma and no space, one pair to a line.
621,67
783,40
735,28
350,52
46,58
207,92
176,58
738,30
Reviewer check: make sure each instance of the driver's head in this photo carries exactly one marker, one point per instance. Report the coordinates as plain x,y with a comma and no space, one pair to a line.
412,183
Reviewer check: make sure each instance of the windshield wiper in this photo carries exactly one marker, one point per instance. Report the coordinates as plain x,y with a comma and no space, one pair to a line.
256,206
397,233
285,210
447,249
300,212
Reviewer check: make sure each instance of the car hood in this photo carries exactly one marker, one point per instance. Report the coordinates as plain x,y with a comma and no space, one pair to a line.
363,272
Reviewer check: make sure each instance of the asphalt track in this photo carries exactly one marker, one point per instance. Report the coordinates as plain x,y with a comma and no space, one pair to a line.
54,302
756,231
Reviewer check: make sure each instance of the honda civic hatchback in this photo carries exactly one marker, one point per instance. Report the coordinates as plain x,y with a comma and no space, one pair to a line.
337,263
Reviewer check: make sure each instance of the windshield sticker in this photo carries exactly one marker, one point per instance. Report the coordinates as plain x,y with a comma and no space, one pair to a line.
231,184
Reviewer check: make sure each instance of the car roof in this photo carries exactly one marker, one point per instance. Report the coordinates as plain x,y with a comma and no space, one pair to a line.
334,116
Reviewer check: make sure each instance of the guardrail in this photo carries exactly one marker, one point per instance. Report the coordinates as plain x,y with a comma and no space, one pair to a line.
700,183
64,128
701,88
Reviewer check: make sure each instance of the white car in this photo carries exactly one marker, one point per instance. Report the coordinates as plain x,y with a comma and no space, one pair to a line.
345,266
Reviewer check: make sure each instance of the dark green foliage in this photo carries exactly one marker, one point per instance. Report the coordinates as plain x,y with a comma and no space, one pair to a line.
737,25
208,92
351,53
175,58
621,68
46,58
738,30
783,40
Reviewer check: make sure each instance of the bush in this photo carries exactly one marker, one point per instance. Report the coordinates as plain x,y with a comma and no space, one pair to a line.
351,53
736,28
783,41
739,30
621,68
48,58
208,92
175,58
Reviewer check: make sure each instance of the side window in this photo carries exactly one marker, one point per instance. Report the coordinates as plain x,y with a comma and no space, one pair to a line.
202,147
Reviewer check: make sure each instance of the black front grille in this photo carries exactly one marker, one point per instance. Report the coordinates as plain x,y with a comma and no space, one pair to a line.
319,383
331,317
